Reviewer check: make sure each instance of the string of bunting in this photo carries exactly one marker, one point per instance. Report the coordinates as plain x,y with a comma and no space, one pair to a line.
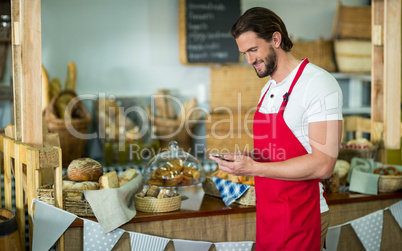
51,222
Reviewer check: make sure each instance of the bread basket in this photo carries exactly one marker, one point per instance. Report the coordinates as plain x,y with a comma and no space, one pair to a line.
365,153
389,184
154,205
247,199
72,145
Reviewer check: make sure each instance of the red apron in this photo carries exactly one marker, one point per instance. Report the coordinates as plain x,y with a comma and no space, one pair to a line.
288,212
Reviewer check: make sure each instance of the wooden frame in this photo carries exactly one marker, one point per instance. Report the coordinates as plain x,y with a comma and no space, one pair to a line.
386,70
35,160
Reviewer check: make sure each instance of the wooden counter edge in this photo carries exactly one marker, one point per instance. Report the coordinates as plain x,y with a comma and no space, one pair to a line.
333,199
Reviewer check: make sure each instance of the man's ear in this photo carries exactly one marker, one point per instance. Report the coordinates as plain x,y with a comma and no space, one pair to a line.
277,39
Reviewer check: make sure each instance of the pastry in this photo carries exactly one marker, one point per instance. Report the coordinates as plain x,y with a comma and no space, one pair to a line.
174,173
381,171
84,169
174,180
391,170
176,165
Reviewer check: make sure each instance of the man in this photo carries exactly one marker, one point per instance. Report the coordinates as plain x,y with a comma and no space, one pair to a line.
297,130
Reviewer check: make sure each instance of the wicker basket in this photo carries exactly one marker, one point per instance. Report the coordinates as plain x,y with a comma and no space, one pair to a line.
319,52
154,205
389,184
75,206
72,146
352,55
364,153
248,198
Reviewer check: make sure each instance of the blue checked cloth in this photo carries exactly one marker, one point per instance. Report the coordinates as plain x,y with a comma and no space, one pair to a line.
230,191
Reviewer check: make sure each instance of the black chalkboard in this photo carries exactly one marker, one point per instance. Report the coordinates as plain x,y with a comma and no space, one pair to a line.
204,30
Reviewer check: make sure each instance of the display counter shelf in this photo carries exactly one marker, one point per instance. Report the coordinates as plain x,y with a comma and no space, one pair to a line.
206,218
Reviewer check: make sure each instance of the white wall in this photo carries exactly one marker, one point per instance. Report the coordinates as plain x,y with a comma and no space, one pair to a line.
128,47
120,47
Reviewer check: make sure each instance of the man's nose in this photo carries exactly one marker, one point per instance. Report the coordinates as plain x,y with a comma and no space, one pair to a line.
250,59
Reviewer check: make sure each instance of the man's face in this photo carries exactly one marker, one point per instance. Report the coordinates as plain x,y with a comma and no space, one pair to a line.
259,53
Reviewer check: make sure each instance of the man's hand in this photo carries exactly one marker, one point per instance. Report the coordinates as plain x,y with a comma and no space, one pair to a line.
242,166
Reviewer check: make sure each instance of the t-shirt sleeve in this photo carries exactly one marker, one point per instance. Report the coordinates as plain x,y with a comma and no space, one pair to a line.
323,98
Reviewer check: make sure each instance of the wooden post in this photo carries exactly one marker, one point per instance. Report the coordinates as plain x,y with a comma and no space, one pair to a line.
392,74
377,67
386,72
27,61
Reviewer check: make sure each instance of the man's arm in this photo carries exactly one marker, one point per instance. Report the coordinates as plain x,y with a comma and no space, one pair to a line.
324,139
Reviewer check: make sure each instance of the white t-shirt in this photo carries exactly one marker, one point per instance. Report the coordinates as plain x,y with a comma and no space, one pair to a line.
315,97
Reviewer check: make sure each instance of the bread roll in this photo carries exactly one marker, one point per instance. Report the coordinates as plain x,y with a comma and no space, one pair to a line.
84,169
342,167
109,180
126,176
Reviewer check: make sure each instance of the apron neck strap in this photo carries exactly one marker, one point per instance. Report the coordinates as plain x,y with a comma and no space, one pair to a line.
287,94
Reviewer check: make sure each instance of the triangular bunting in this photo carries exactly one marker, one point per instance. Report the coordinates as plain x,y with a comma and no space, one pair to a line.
144,242
49,224
184,245
234,246
369,230
332,238
95,239
396,211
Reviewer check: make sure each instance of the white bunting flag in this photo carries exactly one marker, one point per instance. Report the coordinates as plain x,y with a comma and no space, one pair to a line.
96,239
49,224
396,211
332,238
144,242
184,245
369,230
234,246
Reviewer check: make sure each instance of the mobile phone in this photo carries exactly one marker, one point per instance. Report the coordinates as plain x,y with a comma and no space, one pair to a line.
220,156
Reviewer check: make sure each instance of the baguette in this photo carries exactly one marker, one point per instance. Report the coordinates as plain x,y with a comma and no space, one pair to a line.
71,77
45,89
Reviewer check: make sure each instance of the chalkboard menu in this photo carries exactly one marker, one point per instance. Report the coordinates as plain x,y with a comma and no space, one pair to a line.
204,31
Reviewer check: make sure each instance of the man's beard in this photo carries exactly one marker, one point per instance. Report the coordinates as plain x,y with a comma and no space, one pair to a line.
270,66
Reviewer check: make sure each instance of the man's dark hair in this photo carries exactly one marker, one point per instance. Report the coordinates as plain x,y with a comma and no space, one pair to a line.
264,23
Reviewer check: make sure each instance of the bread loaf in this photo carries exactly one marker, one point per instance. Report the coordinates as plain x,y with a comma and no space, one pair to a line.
126,176
109,180
78,187
84,185
84,169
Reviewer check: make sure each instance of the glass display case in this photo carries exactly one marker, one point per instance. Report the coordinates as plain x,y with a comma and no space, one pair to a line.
173,168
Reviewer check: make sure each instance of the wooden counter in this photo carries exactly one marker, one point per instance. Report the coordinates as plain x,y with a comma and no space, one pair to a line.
211,205
207,218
